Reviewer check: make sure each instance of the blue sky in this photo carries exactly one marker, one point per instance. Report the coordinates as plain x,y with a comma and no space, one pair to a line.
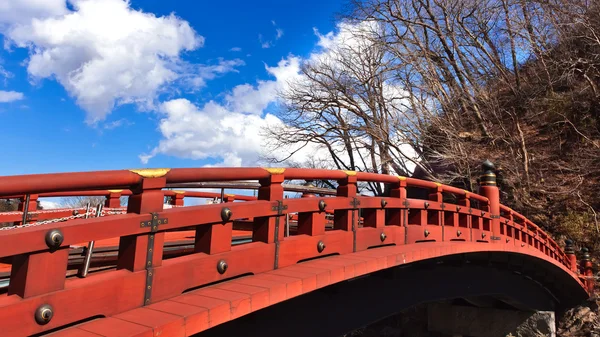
54,120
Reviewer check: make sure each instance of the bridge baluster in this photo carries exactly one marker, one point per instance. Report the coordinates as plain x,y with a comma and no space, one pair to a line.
343,219
311,223
38,273
489,189
229,198
178,198
113,199
147,197
264,227
397,216
587,270
570,251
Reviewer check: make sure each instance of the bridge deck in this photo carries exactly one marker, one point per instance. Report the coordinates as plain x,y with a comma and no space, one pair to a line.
200,309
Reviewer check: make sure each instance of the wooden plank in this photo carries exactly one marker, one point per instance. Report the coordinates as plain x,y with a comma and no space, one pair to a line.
113,327
162,323
259,297
239,302
219,311
195,318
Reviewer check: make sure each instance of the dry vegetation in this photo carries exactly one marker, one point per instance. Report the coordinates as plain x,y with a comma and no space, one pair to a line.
460,81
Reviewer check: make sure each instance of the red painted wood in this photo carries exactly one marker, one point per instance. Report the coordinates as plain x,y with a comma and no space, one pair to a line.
120,292
161,323
264,227
213,239
194,318
38,273
114,327
343,218
219,311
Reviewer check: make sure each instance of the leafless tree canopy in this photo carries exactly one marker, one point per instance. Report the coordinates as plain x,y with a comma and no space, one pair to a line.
456,82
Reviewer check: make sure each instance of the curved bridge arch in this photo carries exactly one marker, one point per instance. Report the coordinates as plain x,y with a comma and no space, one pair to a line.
339,238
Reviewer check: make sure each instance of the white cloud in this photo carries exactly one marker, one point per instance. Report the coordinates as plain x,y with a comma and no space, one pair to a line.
103,52
270,43
47,204
235,49
22,11
229,131
197,75
209,132
10,96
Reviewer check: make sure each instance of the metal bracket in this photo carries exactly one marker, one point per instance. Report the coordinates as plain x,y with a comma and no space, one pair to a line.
495,237
495,216
443,206
153,224
406,204
31,216
279,209
354,203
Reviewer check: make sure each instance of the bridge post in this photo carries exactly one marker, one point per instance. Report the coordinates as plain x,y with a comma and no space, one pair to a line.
311,223
113,199
177,199
587,269
343,219
147,197
393,216
264,227
489,189
570,251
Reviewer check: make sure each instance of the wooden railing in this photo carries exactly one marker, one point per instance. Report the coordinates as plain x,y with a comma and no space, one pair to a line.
38,285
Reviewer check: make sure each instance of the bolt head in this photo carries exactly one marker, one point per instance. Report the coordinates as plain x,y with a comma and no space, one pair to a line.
322,205
382,236
458,233
222,267
43,314
54,238
426,233
383,203
226,214
320,246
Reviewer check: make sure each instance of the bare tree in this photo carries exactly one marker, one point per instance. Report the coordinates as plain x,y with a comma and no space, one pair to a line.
78,202
346,104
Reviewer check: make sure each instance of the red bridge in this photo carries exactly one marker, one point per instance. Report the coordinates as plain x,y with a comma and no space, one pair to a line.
318,265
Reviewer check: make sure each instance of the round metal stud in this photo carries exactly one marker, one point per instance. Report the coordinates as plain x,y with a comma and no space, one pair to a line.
322,205
522,245
320,246
54,238
458,233
222,267
383,203
43,314
382,236
226,214
75,212
483,235
426,233
507,240
426,204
